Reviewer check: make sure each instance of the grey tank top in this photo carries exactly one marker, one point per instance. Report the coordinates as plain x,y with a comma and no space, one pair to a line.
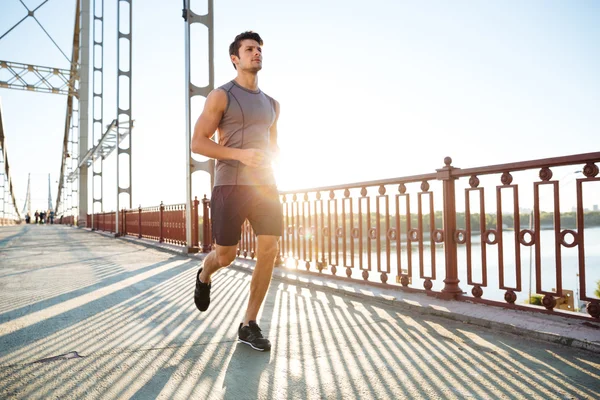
245,125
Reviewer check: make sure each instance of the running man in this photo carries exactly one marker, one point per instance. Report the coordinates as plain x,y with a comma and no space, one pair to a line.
246,119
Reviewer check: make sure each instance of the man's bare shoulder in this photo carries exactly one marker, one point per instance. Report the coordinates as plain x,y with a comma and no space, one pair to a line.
217,99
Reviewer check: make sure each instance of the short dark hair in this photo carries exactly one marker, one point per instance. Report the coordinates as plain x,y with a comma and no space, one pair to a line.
234,48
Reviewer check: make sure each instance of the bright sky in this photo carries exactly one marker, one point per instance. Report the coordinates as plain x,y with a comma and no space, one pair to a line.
368,90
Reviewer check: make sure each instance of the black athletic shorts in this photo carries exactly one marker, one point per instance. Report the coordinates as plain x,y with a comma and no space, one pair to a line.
231,205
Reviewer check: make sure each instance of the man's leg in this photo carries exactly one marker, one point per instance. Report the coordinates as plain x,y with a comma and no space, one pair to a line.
261,278
221,257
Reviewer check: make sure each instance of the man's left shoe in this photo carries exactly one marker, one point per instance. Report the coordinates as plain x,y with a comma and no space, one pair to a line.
202,293
252,336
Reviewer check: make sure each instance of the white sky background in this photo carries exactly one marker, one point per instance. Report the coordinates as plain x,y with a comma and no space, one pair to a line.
368,90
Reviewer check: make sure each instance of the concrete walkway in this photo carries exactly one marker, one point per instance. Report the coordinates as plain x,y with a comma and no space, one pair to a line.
83,315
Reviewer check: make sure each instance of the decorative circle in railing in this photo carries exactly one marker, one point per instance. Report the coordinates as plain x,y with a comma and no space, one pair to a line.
365,275
294,198
413,235
346,193
593,309
383,277
486,236
321,265
252,254
245,253
290,230
574,235
506,178
307,265
510,297
363,191
373,233
355,233
460,236
339,232
283,198
473,181
438,235
381,190
402,188
545,174
428,284
333,269
391,234
325,231
549,302
318,195
424,186
477,291
331,194
305,196
348,272
300,231
590,170
404,280
522,239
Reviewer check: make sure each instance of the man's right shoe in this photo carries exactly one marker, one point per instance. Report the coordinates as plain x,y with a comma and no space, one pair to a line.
202,293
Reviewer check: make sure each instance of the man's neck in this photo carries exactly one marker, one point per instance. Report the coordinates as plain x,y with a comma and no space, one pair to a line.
247,80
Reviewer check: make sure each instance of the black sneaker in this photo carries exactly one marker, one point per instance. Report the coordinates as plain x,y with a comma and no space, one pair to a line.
202,293
252,336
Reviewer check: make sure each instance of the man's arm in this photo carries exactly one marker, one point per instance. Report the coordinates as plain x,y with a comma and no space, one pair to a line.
205,128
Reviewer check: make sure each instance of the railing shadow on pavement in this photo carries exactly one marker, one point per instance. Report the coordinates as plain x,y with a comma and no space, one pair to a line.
325,346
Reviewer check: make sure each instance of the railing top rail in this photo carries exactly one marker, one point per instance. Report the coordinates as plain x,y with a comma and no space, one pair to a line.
524,165
356,185
462,172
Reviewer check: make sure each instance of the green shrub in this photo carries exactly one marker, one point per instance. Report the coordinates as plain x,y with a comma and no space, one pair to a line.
536,299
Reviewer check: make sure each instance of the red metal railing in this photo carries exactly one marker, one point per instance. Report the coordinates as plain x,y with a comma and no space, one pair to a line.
162,223
430,232
8,221
391,228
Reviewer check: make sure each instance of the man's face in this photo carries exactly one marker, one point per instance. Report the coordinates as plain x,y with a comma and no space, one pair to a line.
250,58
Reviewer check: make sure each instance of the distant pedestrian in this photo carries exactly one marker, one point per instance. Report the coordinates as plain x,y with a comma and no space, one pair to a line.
37,216
51,217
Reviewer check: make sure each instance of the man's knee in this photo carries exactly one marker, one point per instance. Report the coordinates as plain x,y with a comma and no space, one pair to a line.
269,250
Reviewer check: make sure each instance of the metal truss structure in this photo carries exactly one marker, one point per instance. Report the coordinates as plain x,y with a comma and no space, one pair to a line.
192,90
98,107
124,121
35,78
9,203
65,203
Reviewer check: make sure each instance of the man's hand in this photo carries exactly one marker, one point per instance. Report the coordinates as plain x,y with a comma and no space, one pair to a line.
255,158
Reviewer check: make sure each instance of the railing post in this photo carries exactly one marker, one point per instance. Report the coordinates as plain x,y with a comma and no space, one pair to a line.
122,231
451,288
160,222
195,227
207,239
140,221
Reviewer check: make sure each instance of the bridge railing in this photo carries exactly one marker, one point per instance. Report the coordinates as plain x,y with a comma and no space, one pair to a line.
432,233
164,223
463,234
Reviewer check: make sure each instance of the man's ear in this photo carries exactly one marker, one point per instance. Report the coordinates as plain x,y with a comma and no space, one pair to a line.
234,59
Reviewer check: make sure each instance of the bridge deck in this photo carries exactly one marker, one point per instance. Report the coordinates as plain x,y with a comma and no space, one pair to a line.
83,315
